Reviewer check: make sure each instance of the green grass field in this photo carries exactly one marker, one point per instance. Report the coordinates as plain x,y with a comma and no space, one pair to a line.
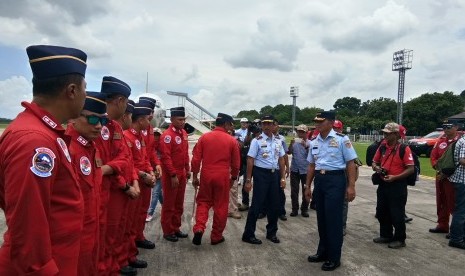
425,164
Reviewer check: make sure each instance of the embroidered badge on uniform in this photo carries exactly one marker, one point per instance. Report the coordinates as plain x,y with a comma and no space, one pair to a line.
86,167
443,145
167,139
64,148
129,144
49,121
43,162
348,144
82,140
138,146
144,132
178,140
105,133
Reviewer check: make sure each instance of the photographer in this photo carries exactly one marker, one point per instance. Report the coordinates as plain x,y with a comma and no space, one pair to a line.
392,173
253,130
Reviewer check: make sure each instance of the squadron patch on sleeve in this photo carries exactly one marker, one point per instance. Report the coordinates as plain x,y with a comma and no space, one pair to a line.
43,162
105,133
178,140
138,145
64,148
348,144
167,139
86,167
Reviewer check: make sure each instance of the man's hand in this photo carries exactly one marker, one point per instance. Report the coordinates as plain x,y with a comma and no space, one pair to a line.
283,184
174,182
158,171
287,172
132,193
389,178
150,179
135,184
350,193
308,194
248,186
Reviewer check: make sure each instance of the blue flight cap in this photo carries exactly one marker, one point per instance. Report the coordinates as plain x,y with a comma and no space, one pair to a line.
49,61
178,111
222,118
113,86
268,119
130,106
148,100
95,102
142,108
323,115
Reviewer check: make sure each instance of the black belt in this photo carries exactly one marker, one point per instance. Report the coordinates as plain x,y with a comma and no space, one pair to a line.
265,170
333,172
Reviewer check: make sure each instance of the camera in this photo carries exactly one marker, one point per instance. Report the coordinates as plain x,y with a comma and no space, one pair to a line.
254,127
384,172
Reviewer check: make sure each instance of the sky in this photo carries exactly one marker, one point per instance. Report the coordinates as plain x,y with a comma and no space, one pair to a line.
241,55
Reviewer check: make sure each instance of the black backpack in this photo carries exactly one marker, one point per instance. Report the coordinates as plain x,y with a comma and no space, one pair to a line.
411,179
371,151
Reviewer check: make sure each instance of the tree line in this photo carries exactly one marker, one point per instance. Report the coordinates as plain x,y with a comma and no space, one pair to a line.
421,115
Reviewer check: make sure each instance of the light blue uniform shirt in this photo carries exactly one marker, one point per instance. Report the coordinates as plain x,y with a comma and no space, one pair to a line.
266,151
331,153
283,141
241,133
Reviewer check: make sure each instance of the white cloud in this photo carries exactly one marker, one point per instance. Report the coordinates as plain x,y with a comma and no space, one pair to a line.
12,92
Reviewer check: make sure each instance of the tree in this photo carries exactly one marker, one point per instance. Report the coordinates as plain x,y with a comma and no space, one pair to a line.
427,112
249,114
266,110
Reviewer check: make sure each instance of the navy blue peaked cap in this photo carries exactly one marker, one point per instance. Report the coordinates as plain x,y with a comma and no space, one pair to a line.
130,106
148,100
142,108
49,61
178,111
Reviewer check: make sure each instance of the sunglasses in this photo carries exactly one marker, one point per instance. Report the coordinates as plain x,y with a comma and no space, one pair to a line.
94,120
447,126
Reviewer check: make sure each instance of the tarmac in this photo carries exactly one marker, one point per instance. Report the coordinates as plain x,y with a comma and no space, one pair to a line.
425,254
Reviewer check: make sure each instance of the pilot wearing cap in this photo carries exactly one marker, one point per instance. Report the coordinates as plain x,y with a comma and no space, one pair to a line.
149,138
243,131
217,152
41,197
331,156
86,158
445,195
116,188
140,122
266,162
174,149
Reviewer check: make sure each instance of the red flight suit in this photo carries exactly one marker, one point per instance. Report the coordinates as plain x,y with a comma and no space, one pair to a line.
445,193
87,163
141,163
114,153
174,162
40,196
218,152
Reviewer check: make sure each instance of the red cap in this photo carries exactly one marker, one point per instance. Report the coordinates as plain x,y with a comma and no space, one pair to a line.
402,131
337,124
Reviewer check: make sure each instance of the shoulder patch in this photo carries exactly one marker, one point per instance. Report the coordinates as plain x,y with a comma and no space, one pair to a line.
82,140
348,144
178,140
49,122
64,148
105,133
84,164
167,139
43,162
138,146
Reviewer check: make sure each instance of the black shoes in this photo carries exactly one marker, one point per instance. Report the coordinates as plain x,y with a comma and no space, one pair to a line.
218,241
382,240
438,230
283,217
396,244
251,240
305,214
312,205
316,258
293,214
138,264
146,244
181,235
460,245
197,240
128,270
330,265
171,238
273,239
407,219
261,215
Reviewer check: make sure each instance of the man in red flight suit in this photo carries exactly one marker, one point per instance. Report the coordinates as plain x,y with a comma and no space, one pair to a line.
218,152
150,139
39,191
116,189
140,121
87,162
445,194
175,165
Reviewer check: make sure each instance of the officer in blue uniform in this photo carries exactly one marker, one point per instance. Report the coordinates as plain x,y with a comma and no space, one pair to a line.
265,160
331,155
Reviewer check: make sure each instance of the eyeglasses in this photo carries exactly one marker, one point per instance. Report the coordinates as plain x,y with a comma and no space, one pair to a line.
447,126
94,119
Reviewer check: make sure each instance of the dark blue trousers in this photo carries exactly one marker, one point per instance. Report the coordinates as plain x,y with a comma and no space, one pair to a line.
265,191
329,194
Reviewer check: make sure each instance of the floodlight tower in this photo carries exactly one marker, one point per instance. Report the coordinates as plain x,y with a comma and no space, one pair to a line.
401,61
294,94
